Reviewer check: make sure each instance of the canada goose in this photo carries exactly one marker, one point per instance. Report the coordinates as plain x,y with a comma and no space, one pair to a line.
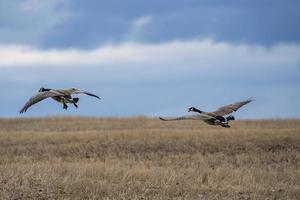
213,118
60,95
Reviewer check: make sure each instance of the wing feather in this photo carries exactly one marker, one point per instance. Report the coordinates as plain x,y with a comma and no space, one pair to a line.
225,110
202,117
87,93
37,98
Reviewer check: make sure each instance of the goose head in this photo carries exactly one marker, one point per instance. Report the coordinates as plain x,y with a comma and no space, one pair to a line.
192,109
43,89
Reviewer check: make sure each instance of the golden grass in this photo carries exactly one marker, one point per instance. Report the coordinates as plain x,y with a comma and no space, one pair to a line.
142,158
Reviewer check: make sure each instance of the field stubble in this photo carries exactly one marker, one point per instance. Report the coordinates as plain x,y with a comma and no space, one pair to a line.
143,158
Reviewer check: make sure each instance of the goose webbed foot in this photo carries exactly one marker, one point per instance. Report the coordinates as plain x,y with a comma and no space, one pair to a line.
65,106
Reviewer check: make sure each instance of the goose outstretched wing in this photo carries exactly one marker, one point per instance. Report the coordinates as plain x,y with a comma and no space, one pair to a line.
202,117
85,92
37,98
225,110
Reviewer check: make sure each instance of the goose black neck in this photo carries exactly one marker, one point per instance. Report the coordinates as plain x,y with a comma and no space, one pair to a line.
197,110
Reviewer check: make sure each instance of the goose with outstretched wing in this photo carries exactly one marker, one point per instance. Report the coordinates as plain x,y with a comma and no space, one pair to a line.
63,96
218,117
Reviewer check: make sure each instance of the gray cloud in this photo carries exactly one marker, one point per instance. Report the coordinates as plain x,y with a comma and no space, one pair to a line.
29,22
92,23
195,54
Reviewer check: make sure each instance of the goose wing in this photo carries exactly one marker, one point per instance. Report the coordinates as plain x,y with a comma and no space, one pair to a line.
37,98
85,92
225,110
202,117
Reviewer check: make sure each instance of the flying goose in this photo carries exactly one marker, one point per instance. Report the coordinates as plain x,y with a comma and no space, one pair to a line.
60,95
218,117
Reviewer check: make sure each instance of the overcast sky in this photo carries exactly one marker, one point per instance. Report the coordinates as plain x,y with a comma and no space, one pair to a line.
151,57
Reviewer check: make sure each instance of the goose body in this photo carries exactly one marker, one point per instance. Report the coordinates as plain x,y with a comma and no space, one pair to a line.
63,96
220,117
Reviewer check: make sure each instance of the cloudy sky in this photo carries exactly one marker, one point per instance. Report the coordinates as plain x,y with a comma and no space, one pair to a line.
151,57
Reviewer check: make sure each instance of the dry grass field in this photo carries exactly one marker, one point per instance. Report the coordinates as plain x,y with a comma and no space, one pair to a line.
142,158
